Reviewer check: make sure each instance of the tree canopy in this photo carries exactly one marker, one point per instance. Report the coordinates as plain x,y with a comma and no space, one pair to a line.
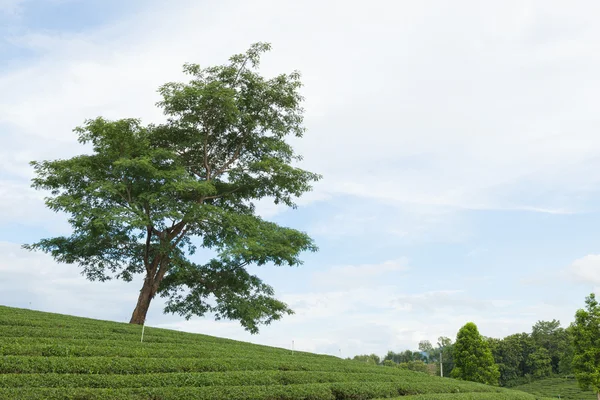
148,197
586,345
550,336
473,360
367,358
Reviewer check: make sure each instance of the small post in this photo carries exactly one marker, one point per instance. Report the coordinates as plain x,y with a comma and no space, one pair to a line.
441,363
143,327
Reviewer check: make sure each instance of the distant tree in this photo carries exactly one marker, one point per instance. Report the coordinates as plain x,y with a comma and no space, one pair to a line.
147,197
425,346
493,344
418,356
551,336
391,356
510,355
586,345
417,365
522,357
389,363
540,363
528,348
565,364
446,354
404,356
368,358
444,341
473,360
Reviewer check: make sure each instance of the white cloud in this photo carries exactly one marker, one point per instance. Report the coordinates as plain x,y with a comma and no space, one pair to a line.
358,275
586,269
391,222
478,251
10,7
492,115
378,318
23,205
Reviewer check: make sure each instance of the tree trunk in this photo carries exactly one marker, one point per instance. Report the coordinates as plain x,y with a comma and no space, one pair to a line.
598,395
146,295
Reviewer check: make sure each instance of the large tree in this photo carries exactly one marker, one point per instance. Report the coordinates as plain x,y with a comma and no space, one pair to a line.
473,360
147,197
551,336
512,355
585,332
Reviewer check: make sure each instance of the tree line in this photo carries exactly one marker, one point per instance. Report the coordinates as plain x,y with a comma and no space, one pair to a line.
548,350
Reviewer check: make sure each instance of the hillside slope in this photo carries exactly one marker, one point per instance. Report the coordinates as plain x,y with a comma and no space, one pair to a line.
51,356
562,388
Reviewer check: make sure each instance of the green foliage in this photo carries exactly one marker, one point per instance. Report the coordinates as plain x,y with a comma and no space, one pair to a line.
540,363
429,363
426,347
444,341
147,197
445,353
567,352
49,356
550,336
418,366
473,358
473,396
586,345
521,358
368,358
524,357
404,356
511,355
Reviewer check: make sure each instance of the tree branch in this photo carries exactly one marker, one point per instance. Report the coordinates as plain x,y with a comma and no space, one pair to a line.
218,196
162,270
239,71
206,166
234,158
147,249
180,238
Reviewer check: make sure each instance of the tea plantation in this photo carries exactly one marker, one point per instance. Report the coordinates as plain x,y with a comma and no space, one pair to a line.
558,388
51,356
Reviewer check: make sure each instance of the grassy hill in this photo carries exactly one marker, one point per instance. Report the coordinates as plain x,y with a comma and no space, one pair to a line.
557,388
51,356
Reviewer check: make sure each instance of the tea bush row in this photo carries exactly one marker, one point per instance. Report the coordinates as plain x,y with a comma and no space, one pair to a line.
143,350
512,395
323,391
121,365
35,345
231,378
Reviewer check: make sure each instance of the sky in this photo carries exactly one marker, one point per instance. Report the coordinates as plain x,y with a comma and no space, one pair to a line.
458,142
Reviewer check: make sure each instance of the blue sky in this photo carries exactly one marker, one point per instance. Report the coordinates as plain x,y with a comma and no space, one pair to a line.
458,145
